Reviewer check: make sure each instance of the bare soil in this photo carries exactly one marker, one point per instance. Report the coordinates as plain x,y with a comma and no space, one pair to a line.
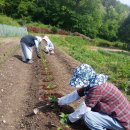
23,87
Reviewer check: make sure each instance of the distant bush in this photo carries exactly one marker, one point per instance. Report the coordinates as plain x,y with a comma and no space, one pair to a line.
105,43
8,21
82,36
54,29
38,25
120,45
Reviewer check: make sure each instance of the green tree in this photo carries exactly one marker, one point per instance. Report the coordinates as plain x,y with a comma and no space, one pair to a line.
124,31
2,6
91,20
109,28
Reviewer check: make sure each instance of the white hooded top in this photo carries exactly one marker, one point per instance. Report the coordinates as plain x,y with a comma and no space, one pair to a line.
49,43
38,38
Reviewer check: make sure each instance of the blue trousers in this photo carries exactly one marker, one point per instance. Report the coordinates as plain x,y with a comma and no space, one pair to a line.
26,52
99,121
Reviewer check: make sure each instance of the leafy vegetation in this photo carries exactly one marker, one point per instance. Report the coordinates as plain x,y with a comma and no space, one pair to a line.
63,117
52,98
59,128
51,86
38,24
7,20
106,19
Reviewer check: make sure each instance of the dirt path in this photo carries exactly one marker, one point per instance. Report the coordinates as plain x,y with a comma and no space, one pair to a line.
15,81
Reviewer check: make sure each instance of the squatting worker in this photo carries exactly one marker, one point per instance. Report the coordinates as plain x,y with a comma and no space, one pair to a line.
27,42
104,105
49,47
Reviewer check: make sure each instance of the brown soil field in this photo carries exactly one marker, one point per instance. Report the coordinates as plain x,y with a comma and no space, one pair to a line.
26,86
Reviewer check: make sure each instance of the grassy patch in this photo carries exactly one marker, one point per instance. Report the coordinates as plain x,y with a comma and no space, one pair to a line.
7,20
40,25
115,65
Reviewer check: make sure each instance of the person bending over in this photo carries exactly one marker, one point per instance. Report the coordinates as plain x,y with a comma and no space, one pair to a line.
104,106
27,42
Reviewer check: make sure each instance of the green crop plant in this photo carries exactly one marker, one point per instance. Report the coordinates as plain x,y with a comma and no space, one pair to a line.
52,98
63,119
50,77
51,86
43,60
59,128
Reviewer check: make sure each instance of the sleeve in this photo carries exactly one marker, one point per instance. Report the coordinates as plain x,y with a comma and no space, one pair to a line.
81,92
69,98
93,97
51,45
79,112
36,46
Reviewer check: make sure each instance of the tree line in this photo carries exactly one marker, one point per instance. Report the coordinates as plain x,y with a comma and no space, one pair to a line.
107,19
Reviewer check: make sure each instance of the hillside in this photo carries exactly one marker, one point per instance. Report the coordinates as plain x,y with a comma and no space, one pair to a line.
107,19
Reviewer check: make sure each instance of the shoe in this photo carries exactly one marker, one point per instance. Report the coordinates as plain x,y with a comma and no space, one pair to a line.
52,52
29,61
25,61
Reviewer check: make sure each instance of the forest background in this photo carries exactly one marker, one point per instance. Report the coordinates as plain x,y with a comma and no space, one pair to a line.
106,19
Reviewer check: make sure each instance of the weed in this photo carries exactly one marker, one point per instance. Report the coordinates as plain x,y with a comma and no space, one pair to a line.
59,128
51,86
52,98
63,117
50,77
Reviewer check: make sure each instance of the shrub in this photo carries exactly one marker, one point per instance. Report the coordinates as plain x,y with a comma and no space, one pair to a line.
104,43
63,32
7,20
119,45
54,30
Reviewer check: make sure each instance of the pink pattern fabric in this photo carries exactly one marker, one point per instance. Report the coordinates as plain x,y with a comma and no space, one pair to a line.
108,99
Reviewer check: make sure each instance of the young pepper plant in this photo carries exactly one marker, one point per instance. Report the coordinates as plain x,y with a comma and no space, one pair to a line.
52,98
51,86
63,119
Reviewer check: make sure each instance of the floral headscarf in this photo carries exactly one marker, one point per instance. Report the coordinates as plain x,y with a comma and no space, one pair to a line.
85,77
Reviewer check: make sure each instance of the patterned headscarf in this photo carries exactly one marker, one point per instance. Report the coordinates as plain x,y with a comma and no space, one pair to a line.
85,77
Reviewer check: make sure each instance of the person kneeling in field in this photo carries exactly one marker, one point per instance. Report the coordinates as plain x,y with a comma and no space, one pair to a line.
49,47
104,105
27,42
